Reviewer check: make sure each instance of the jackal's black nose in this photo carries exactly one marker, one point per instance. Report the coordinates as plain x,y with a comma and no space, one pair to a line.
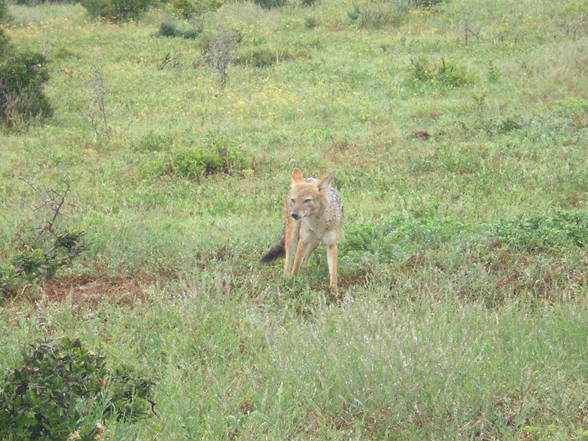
296,216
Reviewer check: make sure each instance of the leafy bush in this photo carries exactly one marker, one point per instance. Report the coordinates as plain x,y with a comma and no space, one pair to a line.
61,388
189,8
258,57
21,79
4,42
544,232
40,2
374,15
267,56
217,155
310,22
268,4
172,30
116,10
421,4
442,73
3,12
38,259
307,2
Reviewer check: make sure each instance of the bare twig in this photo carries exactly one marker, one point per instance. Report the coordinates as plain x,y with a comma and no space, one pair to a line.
98,115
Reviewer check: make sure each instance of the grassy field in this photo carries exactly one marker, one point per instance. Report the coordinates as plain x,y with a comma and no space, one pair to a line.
459,135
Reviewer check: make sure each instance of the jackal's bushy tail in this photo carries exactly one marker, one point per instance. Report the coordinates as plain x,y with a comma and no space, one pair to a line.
278,250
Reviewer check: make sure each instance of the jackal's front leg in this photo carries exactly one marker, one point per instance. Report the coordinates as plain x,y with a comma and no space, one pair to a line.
291,237
299,254
332,251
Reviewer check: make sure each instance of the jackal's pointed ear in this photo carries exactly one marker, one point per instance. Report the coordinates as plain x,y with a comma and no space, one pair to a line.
325,182
297,175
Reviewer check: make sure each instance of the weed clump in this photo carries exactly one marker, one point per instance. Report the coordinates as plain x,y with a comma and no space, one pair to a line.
544,232
61,389
217,155
116,10
22,75
397,237
442,73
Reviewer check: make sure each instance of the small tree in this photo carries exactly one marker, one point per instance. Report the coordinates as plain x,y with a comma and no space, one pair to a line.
116,10
22,75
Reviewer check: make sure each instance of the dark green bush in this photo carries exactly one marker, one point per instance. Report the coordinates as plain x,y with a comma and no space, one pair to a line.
61,388
421,4
4,43
310,23
37,259
3,12
174,31
307,2
189,8
40,2
258,57
116,10
21,79
374,16
441,73
544,232
268,4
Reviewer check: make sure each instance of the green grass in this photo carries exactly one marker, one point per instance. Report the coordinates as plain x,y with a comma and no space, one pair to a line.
463,257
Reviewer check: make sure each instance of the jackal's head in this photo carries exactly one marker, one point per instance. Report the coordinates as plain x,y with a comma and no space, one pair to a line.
307,197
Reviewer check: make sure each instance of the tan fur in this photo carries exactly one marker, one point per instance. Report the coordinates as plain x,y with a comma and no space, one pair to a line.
314,213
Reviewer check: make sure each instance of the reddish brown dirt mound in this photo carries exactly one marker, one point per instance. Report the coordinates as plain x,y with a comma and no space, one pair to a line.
91,290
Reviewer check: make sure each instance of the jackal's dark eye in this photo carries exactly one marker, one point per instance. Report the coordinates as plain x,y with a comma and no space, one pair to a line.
307,201
293,201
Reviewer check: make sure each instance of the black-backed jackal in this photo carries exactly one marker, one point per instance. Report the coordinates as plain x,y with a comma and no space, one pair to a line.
314,213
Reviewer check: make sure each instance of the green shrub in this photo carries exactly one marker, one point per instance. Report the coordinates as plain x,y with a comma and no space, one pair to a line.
442,73
310,23
37,259
116,10
267,56
3,12
544,232
40,2
268,4
307,2
189,8
172,30
217,155
377,14
22,76
61,388
258,57
5,46
421,4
